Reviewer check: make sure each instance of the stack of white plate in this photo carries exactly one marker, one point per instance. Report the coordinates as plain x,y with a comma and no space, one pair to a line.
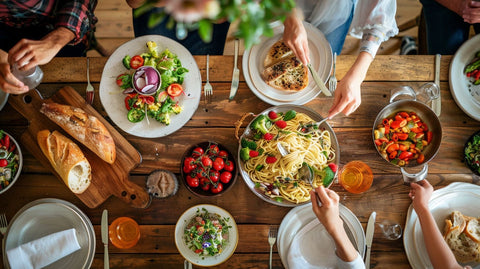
456,196
47,216
303,241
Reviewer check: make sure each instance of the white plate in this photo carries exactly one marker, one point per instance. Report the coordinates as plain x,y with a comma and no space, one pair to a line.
456,196
193,257
3,99
113,100
47,216
466,95
321,59
299,217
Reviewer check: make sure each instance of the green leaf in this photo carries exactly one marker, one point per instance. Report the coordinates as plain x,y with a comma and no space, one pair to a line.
205,30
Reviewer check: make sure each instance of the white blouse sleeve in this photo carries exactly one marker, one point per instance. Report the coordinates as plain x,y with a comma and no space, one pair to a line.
374,22
355,264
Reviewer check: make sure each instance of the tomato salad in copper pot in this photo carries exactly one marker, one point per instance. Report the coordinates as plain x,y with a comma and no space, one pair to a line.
407,133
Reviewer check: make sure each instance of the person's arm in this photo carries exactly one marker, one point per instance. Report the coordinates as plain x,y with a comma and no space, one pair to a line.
348,93
295,36
328,214
438,251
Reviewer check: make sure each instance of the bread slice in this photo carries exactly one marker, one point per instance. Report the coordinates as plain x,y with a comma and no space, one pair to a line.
277,52
472,230
288,74
67,159
463,247
85,128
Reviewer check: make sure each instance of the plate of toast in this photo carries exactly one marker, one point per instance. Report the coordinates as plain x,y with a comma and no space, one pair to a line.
277,77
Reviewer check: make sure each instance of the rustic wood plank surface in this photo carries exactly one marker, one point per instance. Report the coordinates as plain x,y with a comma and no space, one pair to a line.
388,195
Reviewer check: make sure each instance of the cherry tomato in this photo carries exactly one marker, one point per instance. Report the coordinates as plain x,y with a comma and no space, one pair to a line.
429,136
198,250
213,150
193,181
405,155
136,61
214,175
207,162
174,90
218,164
402,136
223,153
6,141
199,172
3,163
393,155
392,148
147,99
197,152
229,166
205,183
218,188
189,165
225,177
421,158
402,147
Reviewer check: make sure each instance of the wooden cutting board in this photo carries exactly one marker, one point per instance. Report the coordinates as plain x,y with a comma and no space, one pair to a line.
107,179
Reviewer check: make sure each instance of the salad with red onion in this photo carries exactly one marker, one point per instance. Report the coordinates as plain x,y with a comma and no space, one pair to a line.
8,160
152,84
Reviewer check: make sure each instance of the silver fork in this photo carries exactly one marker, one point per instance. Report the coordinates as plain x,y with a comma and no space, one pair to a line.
207,88
89,91
272,237
3,224
332,82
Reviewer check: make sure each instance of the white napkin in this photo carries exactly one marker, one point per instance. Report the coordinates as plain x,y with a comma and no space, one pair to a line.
43,251
312,247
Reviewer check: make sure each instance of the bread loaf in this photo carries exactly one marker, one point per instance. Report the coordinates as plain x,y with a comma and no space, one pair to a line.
461,233
87,129
67,159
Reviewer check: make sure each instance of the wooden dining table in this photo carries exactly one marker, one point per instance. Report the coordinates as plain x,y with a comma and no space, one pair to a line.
215,121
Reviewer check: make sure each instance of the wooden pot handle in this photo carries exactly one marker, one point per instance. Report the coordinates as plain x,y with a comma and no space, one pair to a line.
239,123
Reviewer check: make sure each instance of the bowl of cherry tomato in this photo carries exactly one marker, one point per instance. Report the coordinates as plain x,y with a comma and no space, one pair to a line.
11,161
208,169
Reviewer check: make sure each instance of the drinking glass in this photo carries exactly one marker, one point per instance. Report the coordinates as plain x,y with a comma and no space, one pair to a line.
124,232
427,92
30,78
356,177
390,229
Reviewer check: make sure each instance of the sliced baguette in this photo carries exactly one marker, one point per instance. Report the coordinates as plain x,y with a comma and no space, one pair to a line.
85,128
472,230
455,233
67,159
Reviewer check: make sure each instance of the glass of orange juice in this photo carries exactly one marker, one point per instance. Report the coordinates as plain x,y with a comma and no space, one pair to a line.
124,232
356,177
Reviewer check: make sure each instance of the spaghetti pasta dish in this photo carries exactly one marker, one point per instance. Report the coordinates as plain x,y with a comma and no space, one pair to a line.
277,176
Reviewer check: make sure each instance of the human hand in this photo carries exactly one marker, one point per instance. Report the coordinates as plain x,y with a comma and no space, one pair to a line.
328,212
295,37
8,82
347,97
420,193
30,53
471,12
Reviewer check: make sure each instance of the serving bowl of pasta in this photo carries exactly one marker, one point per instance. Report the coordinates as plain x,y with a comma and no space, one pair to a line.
275,178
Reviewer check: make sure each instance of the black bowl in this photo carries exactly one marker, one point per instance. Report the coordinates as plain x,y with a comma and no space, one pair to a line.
472,148
198,190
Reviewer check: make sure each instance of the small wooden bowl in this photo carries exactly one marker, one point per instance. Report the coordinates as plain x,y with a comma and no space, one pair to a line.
198,190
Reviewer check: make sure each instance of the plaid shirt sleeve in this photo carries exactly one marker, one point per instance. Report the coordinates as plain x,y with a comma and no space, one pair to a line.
77,16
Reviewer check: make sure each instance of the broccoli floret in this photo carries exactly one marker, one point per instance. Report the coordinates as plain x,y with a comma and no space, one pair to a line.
245,154
249,144
261,124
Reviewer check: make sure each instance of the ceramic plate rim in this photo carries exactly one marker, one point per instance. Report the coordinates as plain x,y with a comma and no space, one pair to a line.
208,261
308,93
458,79
112,99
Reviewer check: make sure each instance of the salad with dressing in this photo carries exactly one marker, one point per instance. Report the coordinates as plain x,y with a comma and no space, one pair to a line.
206,234
152,84
8,160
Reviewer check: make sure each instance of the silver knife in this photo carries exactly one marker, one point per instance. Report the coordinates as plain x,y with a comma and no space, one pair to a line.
106,263
369,237
437,103
319,81
236,74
